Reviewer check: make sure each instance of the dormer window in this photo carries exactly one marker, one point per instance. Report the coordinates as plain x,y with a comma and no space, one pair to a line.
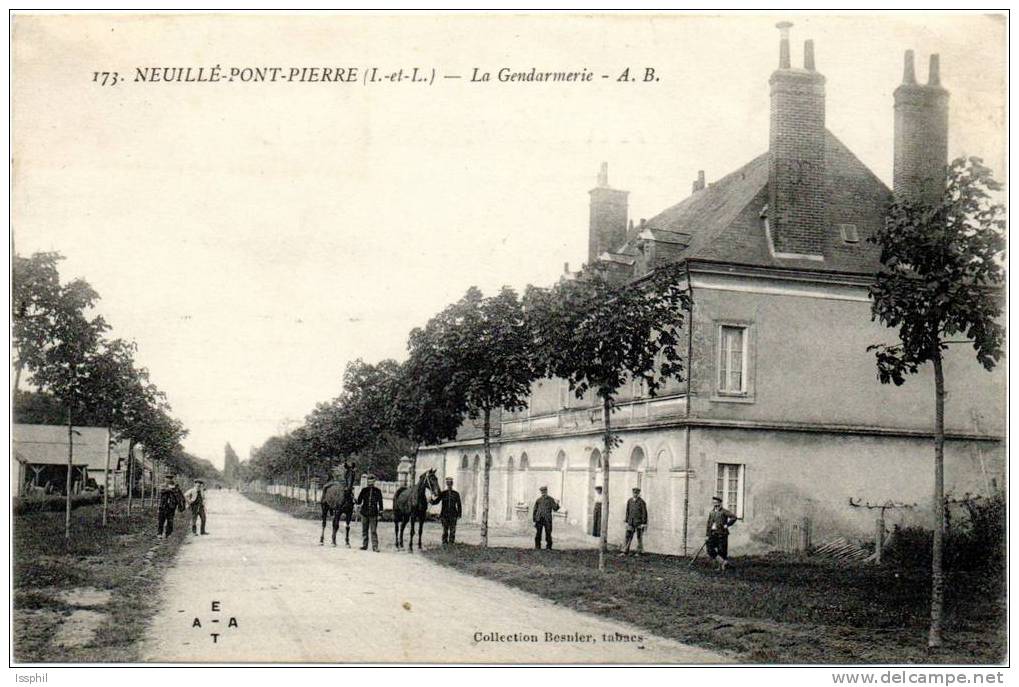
849,233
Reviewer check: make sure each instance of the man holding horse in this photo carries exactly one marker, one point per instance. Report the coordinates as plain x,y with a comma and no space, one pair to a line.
451,511
370,502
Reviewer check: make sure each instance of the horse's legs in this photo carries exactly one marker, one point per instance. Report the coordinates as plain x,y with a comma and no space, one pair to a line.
336,524
396,529
347,518
421,529
325,513
413,519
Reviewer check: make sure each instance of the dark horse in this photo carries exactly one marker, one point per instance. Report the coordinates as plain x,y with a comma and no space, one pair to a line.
411,505
338,499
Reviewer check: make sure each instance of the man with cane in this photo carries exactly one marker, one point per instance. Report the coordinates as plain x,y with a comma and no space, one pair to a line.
719,522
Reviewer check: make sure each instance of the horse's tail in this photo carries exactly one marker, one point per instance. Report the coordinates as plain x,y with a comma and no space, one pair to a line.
397,495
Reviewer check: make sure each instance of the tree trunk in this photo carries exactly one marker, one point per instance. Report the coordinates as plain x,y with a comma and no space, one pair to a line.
106,480
17,374
70,476
130,474
485,479
937,555
604,545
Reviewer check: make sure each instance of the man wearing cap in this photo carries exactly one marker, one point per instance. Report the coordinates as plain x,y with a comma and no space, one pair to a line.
195,498
543,509
370,502
719,522
451,511
636,521
171,500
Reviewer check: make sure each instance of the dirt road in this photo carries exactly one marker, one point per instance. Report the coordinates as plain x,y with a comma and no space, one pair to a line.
260,588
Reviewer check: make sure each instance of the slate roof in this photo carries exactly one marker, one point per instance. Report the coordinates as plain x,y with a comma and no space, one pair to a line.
47,445
724,221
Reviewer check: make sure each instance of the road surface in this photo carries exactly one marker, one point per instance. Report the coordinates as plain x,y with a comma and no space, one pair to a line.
260,588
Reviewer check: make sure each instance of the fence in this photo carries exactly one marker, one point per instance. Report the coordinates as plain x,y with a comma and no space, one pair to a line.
313,493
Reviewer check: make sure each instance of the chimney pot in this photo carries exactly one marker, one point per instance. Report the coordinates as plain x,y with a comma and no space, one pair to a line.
603,175
934,73
783,44
808,55
566,267
698,184
908,70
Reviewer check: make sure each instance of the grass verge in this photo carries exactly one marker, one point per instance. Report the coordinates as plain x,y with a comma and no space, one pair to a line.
770,609
90,600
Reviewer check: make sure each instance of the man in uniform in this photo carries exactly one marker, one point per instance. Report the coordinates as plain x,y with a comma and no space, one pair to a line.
719,522
543,509
171,500
451,511
370,501
636,521
195,497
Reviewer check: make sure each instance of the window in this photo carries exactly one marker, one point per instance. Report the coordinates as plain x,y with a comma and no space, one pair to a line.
638,388
729,487
732,359
849,233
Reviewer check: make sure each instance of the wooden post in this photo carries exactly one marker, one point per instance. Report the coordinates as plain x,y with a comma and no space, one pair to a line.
879,539
106,480
70,476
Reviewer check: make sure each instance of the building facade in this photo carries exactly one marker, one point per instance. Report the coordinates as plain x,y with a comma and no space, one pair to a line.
780,413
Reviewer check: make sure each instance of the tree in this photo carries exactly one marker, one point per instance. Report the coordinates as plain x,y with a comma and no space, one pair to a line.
62,366
940,277
485,343
41,308
429,405
598,335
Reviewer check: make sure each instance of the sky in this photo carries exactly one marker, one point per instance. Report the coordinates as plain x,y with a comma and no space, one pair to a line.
254,238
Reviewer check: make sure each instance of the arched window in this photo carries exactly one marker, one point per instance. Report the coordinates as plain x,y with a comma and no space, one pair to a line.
638,464
560,466
463,462
511,489
523,486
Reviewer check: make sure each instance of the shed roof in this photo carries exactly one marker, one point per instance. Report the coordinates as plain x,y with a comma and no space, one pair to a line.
47,445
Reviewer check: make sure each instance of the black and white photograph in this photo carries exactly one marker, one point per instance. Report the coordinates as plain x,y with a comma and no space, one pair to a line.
642,338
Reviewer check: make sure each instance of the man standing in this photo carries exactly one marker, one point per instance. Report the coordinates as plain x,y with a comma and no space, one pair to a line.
719,522
171,500
543,509
195,497
370,502
636,521
599,499
451,511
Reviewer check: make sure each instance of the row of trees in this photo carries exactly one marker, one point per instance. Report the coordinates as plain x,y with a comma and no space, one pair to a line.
61,344
478,357
941,267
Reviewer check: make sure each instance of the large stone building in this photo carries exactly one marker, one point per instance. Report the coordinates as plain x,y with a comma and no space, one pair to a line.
782,414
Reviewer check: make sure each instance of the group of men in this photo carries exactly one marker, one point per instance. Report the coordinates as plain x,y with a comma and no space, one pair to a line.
369,501
172,500
370,506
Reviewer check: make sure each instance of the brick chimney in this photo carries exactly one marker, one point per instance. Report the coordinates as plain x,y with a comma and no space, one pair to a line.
921,134
698,184
607,229
796,167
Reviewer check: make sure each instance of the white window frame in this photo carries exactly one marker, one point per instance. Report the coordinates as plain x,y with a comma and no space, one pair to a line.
721,377
723,472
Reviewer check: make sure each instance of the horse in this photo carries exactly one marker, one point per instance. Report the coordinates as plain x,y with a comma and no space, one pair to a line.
337,500
411,505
